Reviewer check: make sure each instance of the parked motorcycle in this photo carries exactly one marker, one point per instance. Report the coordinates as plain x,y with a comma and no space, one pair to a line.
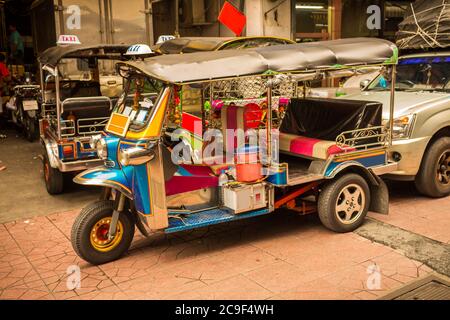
25,110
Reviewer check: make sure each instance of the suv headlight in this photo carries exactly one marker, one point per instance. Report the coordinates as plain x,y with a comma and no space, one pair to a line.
102,149
402,127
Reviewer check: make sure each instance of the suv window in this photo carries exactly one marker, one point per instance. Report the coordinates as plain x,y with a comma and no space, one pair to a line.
418,74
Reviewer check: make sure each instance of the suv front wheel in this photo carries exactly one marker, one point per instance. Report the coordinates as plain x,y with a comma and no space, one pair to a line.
433,179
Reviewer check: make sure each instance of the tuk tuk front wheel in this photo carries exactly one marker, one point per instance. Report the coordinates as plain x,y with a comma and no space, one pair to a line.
54,179
89,234
344,202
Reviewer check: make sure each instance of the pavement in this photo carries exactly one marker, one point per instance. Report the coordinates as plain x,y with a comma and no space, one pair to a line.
22,186
279,256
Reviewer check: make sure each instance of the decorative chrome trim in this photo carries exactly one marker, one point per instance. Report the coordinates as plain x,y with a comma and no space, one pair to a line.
94,128
350,140
136,156
79,165
310,177
388,168
67,128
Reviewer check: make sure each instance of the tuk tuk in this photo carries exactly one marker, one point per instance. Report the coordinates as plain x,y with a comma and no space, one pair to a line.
78,90
212,137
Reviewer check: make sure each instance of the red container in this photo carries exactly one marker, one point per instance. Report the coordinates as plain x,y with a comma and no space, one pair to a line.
248,168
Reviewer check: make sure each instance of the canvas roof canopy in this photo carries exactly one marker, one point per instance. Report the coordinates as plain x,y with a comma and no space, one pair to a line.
322,55
198,44
190,44
53,55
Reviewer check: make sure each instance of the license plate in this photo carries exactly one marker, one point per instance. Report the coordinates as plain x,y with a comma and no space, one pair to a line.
29,105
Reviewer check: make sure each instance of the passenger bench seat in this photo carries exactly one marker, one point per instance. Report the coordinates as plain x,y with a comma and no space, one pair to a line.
308,147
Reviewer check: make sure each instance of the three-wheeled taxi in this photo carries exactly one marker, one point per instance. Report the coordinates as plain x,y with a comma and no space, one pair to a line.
79,88
232,135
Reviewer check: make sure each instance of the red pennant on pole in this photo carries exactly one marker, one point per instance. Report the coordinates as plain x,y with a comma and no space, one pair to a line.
232,18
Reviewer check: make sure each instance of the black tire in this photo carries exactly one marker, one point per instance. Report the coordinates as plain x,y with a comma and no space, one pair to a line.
333,192
54,179
30,129
428,182
18,125
84,224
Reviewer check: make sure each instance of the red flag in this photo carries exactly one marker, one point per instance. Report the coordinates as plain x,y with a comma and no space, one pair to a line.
232,18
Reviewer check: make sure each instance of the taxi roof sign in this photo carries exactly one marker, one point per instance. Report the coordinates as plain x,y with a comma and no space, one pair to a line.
67,39
164,38
139,50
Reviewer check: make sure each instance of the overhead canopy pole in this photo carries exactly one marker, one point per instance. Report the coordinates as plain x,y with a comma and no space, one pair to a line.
58,102
392,103
149,22
269,121
177,18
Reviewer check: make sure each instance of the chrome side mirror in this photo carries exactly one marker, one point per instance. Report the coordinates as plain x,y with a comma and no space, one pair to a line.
136,156
364,83
50,70
49,78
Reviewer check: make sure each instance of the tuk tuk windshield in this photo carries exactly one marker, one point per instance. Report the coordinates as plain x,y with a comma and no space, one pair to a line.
138,100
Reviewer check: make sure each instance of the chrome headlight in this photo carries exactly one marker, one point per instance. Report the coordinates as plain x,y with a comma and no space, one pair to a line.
136,156
102,149
403,126
93,140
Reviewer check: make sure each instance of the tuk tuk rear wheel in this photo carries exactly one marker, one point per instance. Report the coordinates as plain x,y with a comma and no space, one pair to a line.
54,179
344,202
89,234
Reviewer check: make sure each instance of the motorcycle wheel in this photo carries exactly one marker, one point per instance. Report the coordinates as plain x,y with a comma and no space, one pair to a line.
30,129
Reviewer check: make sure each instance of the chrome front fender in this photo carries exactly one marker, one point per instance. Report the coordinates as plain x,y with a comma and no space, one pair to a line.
105,177
352,165
379,192
51,148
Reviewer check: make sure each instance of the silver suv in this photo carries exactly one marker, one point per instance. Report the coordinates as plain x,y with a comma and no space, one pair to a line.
421,133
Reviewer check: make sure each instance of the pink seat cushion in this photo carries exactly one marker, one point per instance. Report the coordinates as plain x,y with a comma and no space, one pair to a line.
308,147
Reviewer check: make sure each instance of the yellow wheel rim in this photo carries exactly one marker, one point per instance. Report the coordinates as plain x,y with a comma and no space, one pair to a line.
99,235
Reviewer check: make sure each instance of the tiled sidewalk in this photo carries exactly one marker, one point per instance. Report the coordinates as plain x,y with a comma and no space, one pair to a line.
282,256
425,216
